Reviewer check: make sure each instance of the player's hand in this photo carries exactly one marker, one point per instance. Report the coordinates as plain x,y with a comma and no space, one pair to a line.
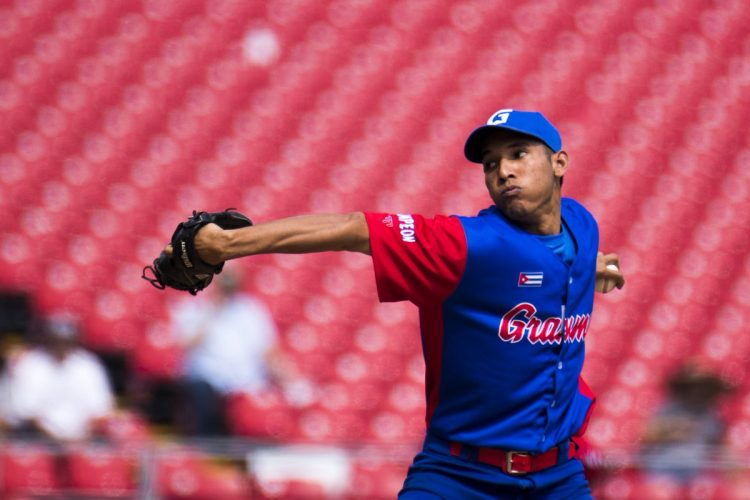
203,244
608,273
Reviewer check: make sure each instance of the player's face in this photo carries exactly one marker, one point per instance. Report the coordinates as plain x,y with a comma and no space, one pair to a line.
523,176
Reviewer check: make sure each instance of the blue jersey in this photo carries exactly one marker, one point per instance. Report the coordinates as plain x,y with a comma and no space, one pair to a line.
503,322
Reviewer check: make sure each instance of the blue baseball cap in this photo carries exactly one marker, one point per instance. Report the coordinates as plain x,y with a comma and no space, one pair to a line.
531,123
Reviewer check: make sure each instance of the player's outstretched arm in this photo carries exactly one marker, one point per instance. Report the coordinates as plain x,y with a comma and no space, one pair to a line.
301,234
608,273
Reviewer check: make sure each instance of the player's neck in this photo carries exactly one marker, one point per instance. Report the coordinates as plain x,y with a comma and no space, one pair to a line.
545,220
544,228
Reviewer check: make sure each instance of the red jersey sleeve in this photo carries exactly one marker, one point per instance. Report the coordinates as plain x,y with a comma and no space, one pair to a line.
416,258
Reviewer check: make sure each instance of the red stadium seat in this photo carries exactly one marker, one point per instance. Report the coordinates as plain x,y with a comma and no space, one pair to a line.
368,396
316,425
127,430
194,476
263,416
388,427
407,397
28,469
292,488
101,471
335,396
372,478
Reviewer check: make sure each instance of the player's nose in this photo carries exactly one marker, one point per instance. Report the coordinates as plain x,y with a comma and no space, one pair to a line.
503,171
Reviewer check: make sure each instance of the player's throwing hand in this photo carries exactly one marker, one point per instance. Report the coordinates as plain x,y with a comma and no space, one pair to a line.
608,273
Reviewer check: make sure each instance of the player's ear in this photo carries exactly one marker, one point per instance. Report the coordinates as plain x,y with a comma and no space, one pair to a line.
560,162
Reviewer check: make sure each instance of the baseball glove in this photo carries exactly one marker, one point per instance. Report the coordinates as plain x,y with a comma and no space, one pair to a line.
184,269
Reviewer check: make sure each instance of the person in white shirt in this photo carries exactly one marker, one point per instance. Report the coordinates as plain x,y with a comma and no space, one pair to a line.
231,347
57,388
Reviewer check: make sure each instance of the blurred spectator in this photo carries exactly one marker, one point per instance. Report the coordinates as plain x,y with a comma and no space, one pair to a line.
55,388
230,340
16,313
681,437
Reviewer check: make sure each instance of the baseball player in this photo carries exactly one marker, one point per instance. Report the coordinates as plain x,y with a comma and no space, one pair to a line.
505,300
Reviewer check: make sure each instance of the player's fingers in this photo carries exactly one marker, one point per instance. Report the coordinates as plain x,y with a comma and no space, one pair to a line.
611,258
600,264
613,263
606,285
613,274
619,280
168,250
606,259
608,273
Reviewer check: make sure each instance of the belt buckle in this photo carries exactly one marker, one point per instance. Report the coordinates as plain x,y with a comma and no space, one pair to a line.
509,455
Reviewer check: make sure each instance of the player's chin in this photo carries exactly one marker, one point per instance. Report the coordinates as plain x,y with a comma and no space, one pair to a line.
513,209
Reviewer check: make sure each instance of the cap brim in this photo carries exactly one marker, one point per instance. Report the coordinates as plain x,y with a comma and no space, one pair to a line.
474,142
473,149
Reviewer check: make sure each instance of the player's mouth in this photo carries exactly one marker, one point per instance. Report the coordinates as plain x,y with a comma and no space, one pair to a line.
510,191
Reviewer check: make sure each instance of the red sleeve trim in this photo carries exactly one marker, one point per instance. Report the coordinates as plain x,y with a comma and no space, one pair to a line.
584,389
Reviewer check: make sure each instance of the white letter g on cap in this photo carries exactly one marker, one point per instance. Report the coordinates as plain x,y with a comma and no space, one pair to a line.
500,117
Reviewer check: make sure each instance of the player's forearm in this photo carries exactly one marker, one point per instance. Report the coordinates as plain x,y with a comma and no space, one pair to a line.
302,234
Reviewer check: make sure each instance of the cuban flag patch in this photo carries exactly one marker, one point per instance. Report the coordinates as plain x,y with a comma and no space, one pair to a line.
530,279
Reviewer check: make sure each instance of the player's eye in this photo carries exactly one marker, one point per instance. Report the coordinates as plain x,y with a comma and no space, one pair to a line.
519,153
489,165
